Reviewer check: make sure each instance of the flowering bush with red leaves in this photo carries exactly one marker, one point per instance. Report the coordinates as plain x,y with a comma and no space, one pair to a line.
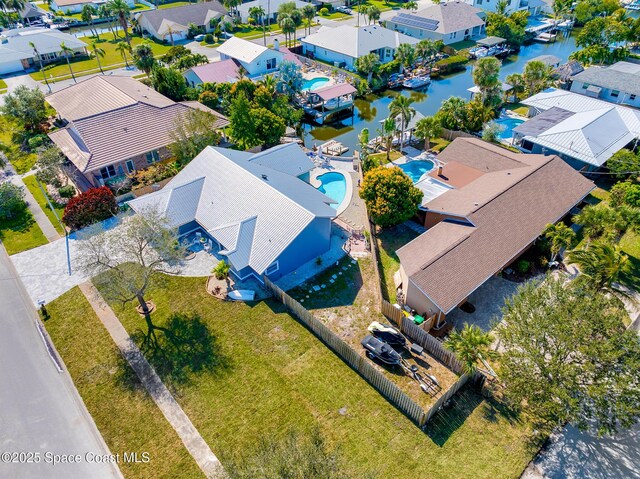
95,204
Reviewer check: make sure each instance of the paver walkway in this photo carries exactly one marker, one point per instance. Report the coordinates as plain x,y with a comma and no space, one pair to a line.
193,441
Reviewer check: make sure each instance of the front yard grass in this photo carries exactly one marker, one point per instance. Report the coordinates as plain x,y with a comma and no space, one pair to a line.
32,185
383,5
389,241
381,157
274,375
111,60
21,233
3,86
173,4
21,161
125,414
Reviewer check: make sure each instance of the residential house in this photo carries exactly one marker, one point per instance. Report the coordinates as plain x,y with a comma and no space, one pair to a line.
17,54
75,6
260,214
270,8
115,125
256,59
583,131
172,24
29,14
224,71
495,205
342,45
450,22
617,83
533,7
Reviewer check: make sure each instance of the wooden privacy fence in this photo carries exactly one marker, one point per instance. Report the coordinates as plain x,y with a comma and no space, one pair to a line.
421,337
445,397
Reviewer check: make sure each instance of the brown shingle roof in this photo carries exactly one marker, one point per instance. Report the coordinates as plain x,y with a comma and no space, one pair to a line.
481,155
502,228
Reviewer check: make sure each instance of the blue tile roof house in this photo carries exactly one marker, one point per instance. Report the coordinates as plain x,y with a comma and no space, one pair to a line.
258,208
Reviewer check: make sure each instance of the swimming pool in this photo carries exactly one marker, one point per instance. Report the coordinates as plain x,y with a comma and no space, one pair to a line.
314,83
334,185
416,168
509,124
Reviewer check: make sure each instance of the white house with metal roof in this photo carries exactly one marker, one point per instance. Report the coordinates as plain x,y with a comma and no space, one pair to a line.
617,83
256,208
16,53
450,22
583,131
342,45
254,58
75,6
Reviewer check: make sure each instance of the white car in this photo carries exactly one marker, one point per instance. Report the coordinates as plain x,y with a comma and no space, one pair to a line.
199,38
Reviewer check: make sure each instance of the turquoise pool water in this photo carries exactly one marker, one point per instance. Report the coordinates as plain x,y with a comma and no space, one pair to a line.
416,168
334,185
314,83
509,124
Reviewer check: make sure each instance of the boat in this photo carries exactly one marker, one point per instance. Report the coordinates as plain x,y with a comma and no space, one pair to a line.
241,295
334,103
387,333
545,37
478,52
381,350
417,82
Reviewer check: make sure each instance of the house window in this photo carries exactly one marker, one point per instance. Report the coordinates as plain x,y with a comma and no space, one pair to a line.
632,97
120,170
130,166
273,267
585,86
271,63
615,93
153,156
107,172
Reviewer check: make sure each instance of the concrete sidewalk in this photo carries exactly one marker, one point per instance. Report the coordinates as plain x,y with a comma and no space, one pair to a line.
38,214
193,441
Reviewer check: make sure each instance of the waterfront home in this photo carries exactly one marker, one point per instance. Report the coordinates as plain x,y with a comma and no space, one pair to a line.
172,24
497,203
115,125
342,45
270,9
256,59
533,7
450,22
258,210
75,6
617,83
583,131
29,14
224,71
17,54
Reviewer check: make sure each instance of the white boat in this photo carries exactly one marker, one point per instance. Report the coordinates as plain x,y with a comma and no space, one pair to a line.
241,295
338,102
478,52
417,82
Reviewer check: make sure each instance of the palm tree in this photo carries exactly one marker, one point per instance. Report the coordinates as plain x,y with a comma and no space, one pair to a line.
517,85
536,76
501,7
486,77
401,107
308,13
123,48
104,11
373,14
98,53
560,8
122,10
37,54
367,64
386,132
288,26
425,49
170,32
258,14
87,13
560,236
471,345
412,6
406,55
601,263
143,57
427,128
16,5
269,83
66,51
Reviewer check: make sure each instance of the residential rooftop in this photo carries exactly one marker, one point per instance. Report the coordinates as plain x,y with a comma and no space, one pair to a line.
16,43
197,13
444,18
621,76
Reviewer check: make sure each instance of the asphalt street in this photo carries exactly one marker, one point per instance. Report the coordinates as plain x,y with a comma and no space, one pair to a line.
42,418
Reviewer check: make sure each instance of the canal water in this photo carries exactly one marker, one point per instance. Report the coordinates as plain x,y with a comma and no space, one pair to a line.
370,110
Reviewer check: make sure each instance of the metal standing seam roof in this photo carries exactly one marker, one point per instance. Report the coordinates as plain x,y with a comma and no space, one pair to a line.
491,41
502,228
255,212
197,13
615,77
243,50
335,91
448,17
288,158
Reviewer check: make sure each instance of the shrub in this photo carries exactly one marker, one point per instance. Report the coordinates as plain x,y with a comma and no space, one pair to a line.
221,271
153,174
37,141
11,200
625,193
92,206
67,191
324,11
451,64
208,38
523,266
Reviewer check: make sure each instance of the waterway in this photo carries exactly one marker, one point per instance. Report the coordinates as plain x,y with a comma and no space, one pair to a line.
371,110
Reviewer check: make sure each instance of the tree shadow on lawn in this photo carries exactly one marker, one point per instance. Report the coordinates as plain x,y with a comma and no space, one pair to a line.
20,224
185,347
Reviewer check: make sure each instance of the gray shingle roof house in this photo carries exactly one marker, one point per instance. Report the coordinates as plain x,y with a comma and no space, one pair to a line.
16,53
618,83
450,22
116,125
262,216
167,22
485,222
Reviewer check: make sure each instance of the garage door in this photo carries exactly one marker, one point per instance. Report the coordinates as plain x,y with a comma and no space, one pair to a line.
10,67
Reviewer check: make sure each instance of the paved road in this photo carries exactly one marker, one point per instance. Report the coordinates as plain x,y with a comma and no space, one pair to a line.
40,410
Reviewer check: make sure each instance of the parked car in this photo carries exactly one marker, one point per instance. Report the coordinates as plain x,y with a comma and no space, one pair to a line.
199,38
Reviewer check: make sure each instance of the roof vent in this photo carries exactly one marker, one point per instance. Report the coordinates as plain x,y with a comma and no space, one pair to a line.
475,204
265,177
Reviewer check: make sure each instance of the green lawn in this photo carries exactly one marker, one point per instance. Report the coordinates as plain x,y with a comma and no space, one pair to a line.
462,45
518,108
267,374
173,4
32,185
389,241
248,31
21,233
125,414
111,60
381,4
3,85
336,16
382,156
21,161
138,7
